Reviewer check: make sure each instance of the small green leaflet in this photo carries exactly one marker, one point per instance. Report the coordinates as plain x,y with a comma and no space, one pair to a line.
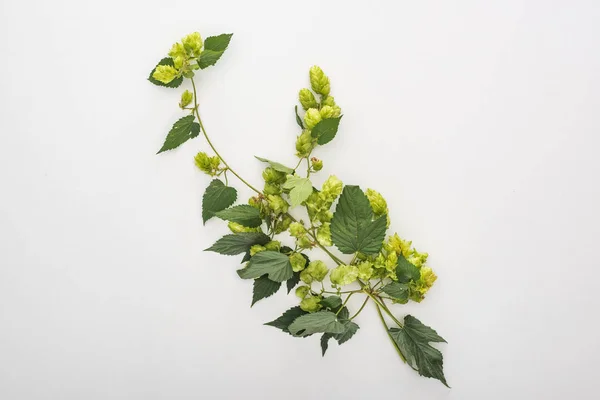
405,271
276,265
298,119
243,214
239,243
174,83
276,166
413,340
325,130
293,281
331,302
325,342
352,228
264,287
184,129
287,318
214,47
350,329
319,322
398,291
217,197
300,189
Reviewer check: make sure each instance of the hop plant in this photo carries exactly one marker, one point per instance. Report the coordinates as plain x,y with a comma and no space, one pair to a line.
385,271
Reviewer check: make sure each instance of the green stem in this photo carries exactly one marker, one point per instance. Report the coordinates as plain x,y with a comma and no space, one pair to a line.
210,143
344,304
384,308
387,330
361,308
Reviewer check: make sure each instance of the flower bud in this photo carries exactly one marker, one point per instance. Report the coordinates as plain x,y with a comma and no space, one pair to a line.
317,270
317,164
312,117
239,228
271,175
398,245
378,203
302,291
165,73
332,188
297,229
311,304
319,81
304,144
273,245
192,44
257,248
306,277
328,101
336,112
324,235
186,99
343,275
277,204
307,99
271,189
326,112
298,262
305,243
365,270
177,51
207,164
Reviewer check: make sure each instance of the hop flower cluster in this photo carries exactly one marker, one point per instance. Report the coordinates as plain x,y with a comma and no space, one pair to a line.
184,55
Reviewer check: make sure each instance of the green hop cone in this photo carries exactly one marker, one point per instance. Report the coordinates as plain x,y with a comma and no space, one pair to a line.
271,189
312,117
273,176
317,270
239,228
311,304
177,51
306,277
257,248
192,44
282,224
302,291
398,245
332,188
273,245
324,235
165,73
298,262
277,204
304,143
327,112
297,230
365,270
307,99
317,164
417,259
378,203
305,243
319,81
344,275
186,99
207,164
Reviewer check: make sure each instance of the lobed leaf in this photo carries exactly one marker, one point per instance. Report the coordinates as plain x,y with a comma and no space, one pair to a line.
264,287
239,243
216,197
276,265
286,319
243,214
318,322
214,47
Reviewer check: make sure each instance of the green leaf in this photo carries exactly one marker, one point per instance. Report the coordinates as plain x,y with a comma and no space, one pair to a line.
350,329
325,130
239,243
398,291
331,302
298,119
293,281
352,228
405,271
287,318
300,189
174,83
243,214
413,340
214,46
319,322
276,265
217,197
184,129
325,342
276,166
264,287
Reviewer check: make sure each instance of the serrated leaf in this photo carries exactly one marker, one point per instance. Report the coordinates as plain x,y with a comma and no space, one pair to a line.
300,189
325,130
216,197
174,83
214,46
319,322
398,291
350,328
405,271
298,119
238,243
184,129
325,342
243,214
276,166
276,265
413,340
286,319
264,287
331,302
293,281
352,228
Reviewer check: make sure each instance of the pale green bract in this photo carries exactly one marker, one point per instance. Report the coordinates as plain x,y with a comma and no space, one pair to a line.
292,214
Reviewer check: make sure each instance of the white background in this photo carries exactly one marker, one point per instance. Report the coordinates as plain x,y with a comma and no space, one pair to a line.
478,121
